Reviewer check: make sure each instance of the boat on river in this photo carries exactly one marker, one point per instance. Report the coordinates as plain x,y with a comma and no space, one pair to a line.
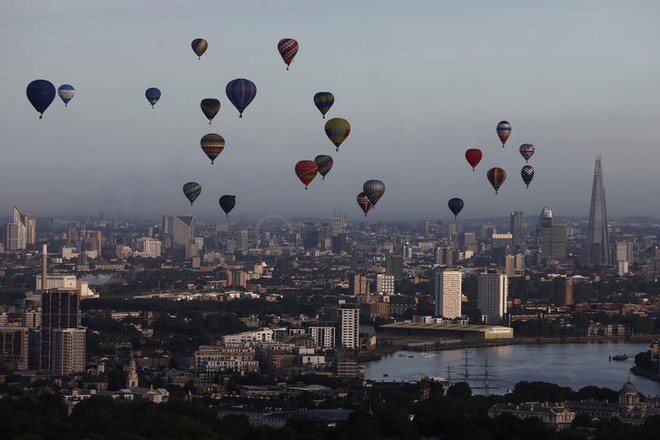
620,357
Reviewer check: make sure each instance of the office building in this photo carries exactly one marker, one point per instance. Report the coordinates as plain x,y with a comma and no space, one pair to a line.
447,290
350,328
517,231
358,284
338,226
444,256
553,237
68,351
467,241
242,241
492,297
17,232
514,265
563,290
31,238
148,247
394,266
178,231
624,251
60,310
599,252
385,284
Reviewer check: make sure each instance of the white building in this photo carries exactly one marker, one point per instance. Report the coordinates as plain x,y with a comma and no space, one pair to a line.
17,232
261,335
324,337
447,289
211,360
385,284
67,282
350,328
148,247
492,296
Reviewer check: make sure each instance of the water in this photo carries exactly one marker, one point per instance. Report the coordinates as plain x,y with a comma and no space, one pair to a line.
572,365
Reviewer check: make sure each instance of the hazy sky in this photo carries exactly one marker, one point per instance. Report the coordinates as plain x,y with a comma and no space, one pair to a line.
420,81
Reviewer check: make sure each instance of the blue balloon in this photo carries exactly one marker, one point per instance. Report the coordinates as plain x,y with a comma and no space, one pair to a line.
153,95
66,92
40,93
241,92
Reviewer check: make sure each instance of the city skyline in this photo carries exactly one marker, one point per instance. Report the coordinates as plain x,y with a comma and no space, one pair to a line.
411,137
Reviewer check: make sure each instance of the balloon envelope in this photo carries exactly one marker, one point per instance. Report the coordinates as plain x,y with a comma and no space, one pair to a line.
374,190
503,131
66,93
199,46
473,156
153,95
364,203
210,107
527,151
323,101
455,205
496,177
212,144
288,48
527,174
192,190
40,93
337,130
306,171
324,163
241,92
227,203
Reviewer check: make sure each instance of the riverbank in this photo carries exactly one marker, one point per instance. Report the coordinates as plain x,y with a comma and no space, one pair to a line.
637,371
391,345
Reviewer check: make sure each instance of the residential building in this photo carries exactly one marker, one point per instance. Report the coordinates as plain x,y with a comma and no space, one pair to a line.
178,231
492,297
350,328
17,232
517,229
68,351
324,337
447,290
385,284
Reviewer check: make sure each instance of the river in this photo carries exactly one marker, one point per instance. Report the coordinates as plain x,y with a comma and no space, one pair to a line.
572,365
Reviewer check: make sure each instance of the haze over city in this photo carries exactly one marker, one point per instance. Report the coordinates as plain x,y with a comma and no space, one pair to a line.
420,83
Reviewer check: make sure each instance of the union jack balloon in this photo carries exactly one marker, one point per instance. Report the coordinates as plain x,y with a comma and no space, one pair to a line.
288,48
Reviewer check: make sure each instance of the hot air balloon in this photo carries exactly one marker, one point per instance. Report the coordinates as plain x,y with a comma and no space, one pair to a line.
337,130
455,205
210,108
374,190
227,203
503,131
527,151
324,163
212,144
40,93
199,46
323,102
364,203
496,177
473,156
306,171
66,92
288,48
527,174
241,92
153,95
192,190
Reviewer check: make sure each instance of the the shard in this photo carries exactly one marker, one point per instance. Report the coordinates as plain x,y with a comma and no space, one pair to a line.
598,239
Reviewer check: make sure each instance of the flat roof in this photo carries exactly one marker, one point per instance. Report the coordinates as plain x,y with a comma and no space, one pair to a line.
448,327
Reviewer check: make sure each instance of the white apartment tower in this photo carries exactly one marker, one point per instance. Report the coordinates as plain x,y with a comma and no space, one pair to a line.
447,286
350,328
492,296
385,284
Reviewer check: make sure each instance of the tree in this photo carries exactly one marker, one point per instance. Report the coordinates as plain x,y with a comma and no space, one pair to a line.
460,390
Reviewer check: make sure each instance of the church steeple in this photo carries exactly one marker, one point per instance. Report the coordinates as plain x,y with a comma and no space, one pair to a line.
132,376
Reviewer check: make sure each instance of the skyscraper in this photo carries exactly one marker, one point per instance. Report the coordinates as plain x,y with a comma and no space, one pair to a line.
60,310
492,297
598,238
517,228
178,231
447,285
17,232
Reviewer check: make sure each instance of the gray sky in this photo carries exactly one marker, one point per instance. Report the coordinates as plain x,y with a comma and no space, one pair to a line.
420,82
